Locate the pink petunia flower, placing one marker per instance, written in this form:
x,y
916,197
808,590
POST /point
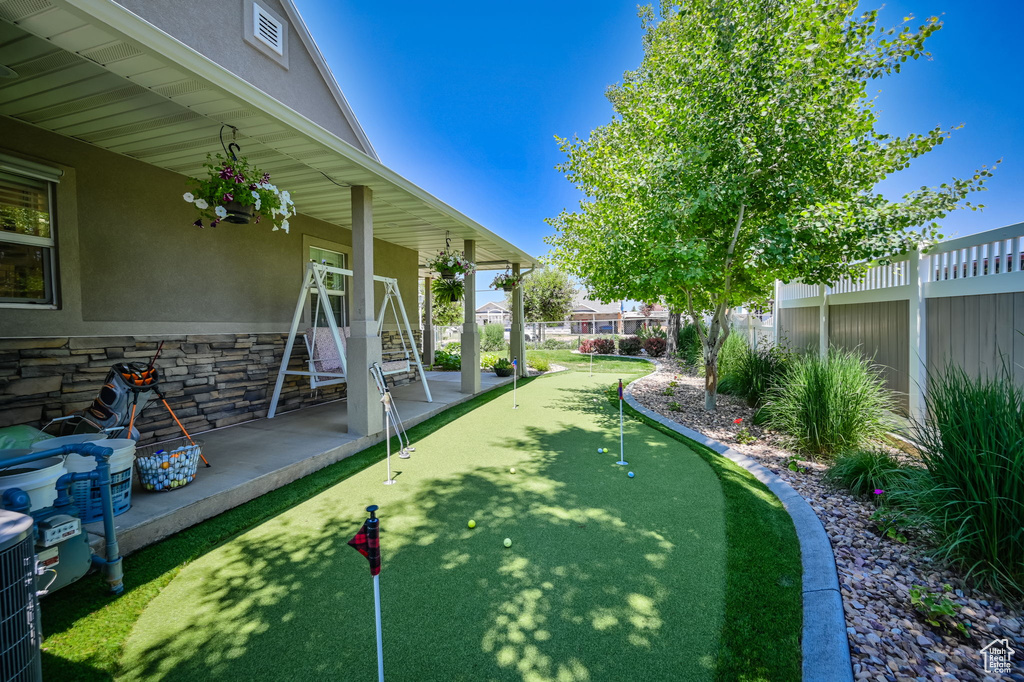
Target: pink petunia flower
x,y
879,491
228,196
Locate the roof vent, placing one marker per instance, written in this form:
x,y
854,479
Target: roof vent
x,y
267,29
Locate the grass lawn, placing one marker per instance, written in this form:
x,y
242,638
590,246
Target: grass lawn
x,y
689,571
602,363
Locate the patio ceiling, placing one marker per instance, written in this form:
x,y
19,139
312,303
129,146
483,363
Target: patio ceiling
x,y
93,71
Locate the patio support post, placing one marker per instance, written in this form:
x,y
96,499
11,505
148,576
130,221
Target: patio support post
x,y
428,323
470,333
517,334
365,416
918,339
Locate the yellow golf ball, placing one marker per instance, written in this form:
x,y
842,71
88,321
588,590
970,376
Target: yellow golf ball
x,y
508,542
512,470
472,523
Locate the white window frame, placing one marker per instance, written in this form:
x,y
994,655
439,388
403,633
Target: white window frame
x,y
341,293
50,176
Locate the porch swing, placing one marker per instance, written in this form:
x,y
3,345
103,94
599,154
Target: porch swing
x,y
326,346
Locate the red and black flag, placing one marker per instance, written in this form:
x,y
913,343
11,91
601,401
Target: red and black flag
x,y
367,540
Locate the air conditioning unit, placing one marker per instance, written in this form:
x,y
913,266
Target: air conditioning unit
x,y
19,612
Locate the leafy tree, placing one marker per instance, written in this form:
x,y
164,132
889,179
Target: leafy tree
x,y
449,314
743,150
547,295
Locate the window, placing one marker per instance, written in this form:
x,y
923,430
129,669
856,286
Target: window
x,y
27,247
337,286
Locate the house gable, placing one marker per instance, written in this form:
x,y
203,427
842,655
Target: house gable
x,y
225,32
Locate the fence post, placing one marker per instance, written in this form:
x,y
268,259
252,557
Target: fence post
x,y
776,309
823,321
918,335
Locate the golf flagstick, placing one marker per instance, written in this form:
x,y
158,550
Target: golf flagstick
x,y
367,543
515,376
622,449
591,363
386,399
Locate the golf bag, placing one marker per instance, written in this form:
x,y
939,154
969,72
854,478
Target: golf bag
x,y
128,389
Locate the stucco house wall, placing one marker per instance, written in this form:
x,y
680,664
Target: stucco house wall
x,y
130,261
217,30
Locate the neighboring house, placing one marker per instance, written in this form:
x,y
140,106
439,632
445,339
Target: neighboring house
x,y
594,317
633,320
105,109
493,312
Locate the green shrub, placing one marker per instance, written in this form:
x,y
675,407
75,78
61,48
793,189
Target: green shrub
x,y
645,332
630,345
453,347
972,443
487,360
447,360
864,471
492,338
688,346
556,344
754,372
829,405
539,364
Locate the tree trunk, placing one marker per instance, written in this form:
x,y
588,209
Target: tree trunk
x,y
672,343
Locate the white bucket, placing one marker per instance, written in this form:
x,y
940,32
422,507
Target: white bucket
x,y
51,443
123,457
38,479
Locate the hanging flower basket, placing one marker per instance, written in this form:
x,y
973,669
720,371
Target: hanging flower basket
x,y
450,264
506,281
234,191
237,213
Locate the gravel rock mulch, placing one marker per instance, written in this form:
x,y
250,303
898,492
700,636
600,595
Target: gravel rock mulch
x,y
889,641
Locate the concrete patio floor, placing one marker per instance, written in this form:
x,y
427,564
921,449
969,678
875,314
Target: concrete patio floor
x,y
255,457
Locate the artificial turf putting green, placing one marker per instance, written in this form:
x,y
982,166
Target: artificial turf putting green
x,y
608,578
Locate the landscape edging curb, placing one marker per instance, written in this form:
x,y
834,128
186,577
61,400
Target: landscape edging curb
x,y
824,645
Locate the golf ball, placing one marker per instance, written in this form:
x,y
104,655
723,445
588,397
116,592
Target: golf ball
x,y
512,470
508,542
631,474
472,523
600,450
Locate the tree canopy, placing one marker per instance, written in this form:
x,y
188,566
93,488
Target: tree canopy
x,y
744,149
548,295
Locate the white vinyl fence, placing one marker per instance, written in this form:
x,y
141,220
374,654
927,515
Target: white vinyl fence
x,y
960,302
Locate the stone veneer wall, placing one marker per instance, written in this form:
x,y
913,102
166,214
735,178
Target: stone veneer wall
x,y
209,380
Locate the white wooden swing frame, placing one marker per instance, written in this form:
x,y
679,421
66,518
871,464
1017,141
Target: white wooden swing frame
x,y
314,279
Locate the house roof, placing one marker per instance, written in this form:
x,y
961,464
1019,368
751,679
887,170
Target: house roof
x,y
94,71
582,304
492,306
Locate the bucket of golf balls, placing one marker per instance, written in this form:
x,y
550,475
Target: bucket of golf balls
x,y
168,466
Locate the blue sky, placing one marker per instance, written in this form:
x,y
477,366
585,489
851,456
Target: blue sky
x,y
464,99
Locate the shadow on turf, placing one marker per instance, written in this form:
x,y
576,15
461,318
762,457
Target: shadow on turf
x,y
596,585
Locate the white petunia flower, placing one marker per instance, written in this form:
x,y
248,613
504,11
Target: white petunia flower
x,y
276,228
255,194
258,202
187,196
286,196
201,204
221,212
284,226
